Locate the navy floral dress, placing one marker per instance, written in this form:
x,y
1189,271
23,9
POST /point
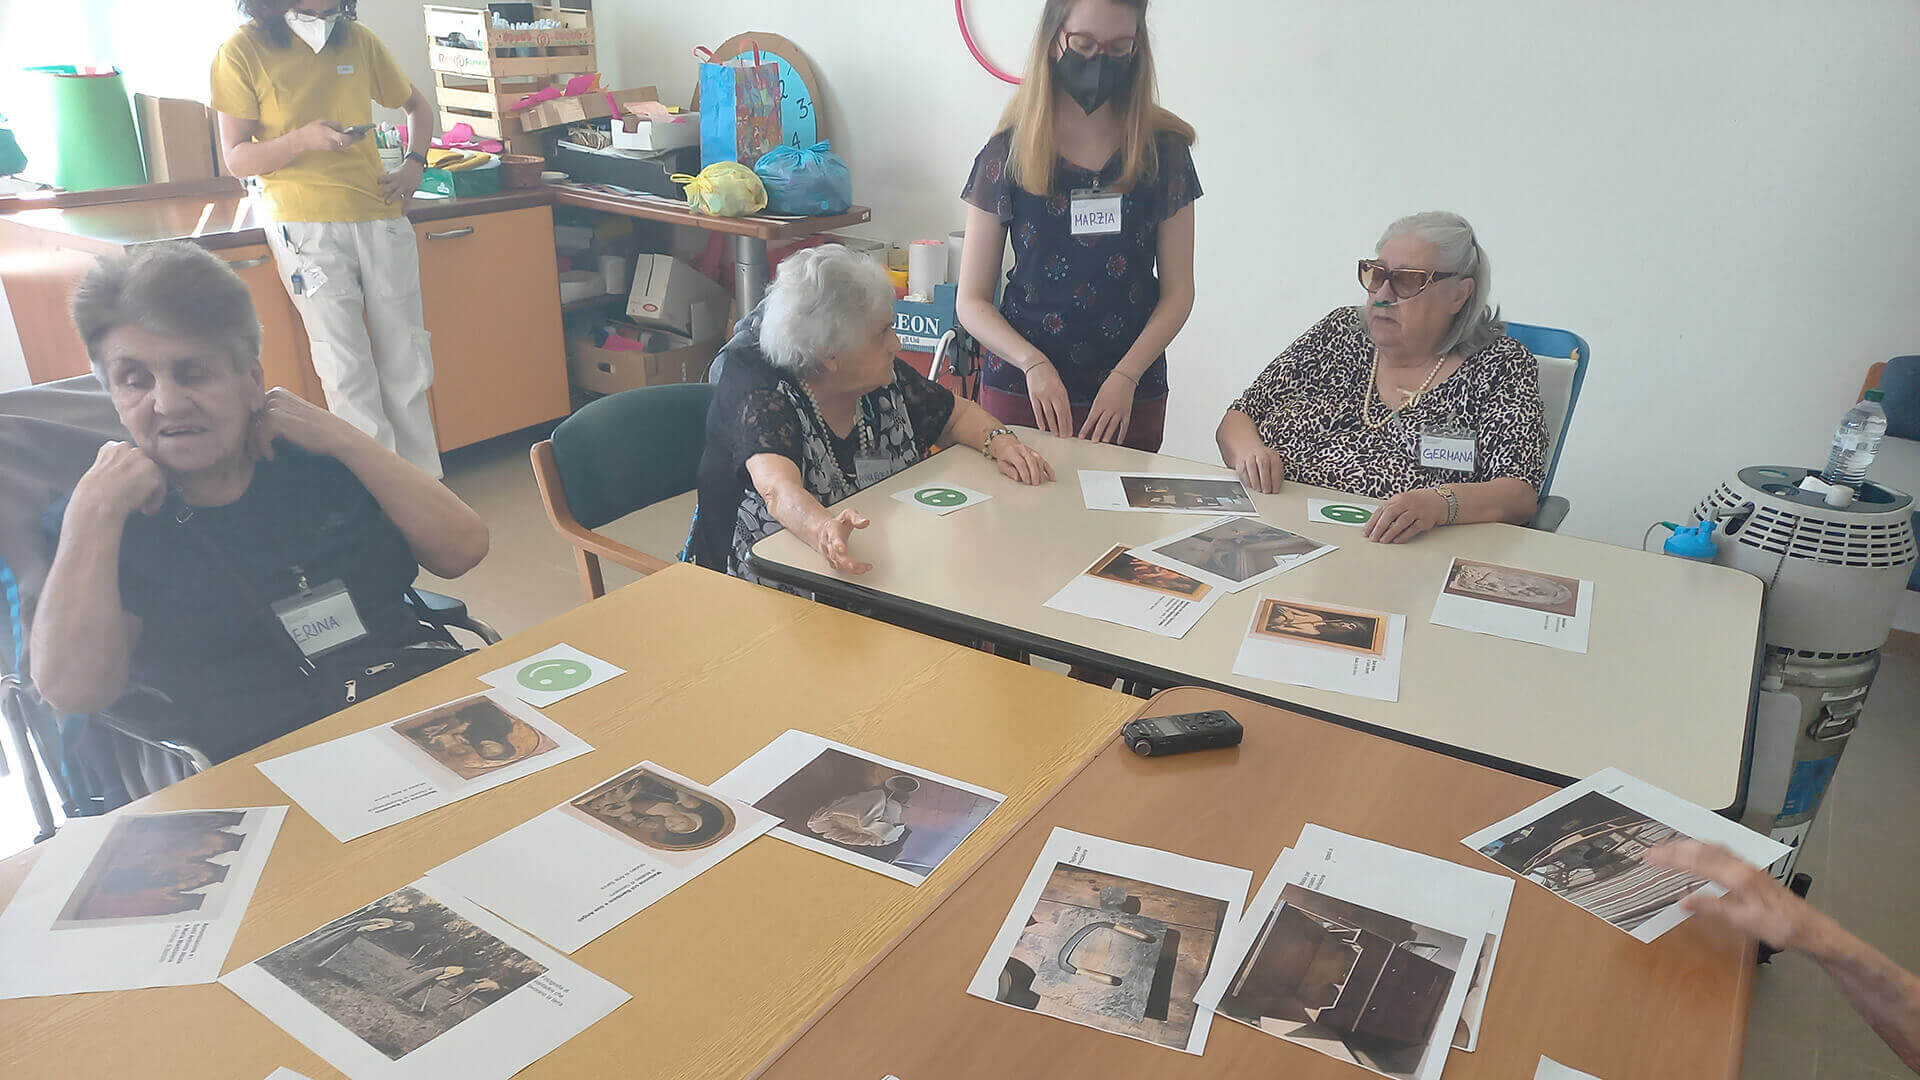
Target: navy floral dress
x,y
1082,300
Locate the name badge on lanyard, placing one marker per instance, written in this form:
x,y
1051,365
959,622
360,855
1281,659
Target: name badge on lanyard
x,y
1096,213
868,471
320,620
1447,446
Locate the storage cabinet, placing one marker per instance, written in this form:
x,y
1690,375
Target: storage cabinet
x,y
285,358
492,297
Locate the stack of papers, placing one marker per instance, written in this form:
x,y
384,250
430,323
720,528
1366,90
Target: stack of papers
x,y
1586,844
1115,937
1364,952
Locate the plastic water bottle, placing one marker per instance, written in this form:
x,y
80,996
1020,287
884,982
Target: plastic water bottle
x,y
1856,441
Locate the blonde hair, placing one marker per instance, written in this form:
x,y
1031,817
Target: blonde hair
x,y
1029,116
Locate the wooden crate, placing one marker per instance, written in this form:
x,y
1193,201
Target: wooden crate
x,y
565,50
480,86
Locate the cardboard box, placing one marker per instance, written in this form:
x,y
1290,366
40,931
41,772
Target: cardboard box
x,y
176,137
650,133
658,360
580,107
670,295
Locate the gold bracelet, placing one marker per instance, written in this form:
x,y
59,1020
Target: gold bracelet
x,y
1453,503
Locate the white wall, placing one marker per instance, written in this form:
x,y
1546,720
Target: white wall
x,y
1718,196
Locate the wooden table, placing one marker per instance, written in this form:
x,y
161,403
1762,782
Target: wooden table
x,y
749,236
1566,985
1665,690
722,971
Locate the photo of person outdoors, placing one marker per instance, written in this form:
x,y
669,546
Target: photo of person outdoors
x,y
401,971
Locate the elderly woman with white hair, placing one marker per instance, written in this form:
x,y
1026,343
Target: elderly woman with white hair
x,y
248,555
1417,397
812,406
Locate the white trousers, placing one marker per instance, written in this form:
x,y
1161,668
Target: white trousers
x,y
359,296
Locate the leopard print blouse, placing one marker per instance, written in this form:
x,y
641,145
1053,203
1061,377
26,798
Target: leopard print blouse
x,y
1307,404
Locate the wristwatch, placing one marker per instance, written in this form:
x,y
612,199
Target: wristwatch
x,y
413,156
1453,502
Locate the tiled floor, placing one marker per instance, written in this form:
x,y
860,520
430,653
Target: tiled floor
x,y
1864,852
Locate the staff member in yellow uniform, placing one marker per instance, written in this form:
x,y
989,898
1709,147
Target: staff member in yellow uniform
x,y
294,88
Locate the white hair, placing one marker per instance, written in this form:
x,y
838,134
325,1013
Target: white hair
x,y
826,300
1477,323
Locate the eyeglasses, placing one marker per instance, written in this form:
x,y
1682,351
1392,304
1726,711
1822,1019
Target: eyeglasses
x,y
1407,282
1121,48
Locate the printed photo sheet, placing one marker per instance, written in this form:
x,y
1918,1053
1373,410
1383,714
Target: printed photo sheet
x,y
1233,553
1363,969
130,900
1587,844
1326,646
873,812
1448,882
1119,588
596,860
424,984
1165,493
1115,937
552,675
1552,1070
1509,602
371,779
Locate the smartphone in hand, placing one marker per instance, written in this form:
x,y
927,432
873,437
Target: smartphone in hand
x,y
359,130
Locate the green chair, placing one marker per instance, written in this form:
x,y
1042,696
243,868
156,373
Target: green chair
x,y
621,453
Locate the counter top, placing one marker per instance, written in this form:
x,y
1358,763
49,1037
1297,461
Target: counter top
x,y
224,220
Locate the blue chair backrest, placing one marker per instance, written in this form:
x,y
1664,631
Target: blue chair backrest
x,y
1545,341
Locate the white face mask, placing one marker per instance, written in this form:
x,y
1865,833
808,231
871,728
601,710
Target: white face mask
x,y
312,29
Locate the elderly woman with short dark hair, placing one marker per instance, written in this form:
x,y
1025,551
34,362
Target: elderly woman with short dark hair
x,y
248,554
812,406
1417,397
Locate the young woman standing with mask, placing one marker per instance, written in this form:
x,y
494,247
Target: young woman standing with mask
x,y
293,88
1095,183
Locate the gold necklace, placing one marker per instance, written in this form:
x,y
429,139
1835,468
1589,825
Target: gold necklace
x,y
1413,396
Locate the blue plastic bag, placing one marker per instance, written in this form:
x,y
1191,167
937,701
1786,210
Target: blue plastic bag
x,y
810,182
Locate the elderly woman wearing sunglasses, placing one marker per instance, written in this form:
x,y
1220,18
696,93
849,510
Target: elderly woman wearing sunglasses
x,y
1417,396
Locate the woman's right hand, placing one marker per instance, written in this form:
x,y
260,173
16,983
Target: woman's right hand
x,y
1260,467
325,136
1052,409
121,481
832,542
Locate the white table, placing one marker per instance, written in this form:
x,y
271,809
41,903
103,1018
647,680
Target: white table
x,y
1665,690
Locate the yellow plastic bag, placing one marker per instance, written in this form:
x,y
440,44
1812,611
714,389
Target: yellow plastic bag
x,y
724,189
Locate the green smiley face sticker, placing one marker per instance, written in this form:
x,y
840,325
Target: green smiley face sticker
x,y
940,496
1351,515
553,676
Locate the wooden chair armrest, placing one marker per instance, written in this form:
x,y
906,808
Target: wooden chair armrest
x,y
546,474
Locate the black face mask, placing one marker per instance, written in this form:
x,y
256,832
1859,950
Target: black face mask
x,y
1092,81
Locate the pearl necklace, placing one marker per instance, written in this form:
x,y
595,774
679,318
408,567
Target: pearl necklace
x,y
860,425
1413,396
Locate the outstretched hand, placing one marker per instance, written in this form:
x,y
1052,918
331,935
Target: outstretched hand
x,y
1754,903
834,535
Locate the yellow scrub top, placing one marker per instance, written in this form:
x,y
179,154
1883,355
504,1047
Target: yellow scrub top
x,y
289,87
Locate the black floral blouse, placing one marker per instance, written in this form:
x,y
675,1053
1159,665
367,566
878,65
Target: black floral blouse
x,y
1307,407
760,409
1082,300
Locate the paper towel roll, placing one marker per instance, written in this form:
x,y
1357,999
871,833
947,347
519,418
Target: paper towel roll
x,y
926,267
613,270
955,241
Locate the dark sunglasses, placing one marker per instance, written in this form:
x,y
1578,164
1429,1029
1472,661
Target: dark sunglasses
x,y
1406,281
1089,46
